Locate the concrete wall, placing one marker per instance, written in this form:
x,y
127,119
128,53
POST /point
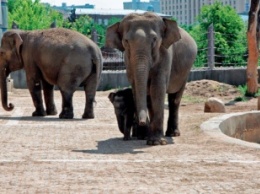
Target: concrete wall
x,y
118,79
232,76
109,80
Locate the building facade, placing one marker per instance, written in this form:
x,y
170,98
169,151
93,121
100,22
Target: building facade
x,y
186,11
102,16
65,7
152,5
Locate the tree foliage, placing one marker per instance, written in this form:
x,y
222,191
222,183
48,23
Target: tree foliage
x,y
86,25
32,14
113,20
230,31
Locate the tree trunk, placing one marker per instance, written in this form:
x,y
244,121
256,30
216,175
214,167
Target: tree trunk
x,y
253,53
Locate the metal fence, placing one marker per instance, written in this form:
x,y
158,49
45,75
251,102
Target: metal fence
x,y
220,56
113,59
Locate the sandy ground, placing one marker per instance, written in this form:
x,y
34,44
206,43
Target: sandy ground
x,y
49,155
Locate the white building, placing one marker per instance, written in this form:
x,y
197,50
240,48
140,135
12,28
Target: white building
x,y
186,11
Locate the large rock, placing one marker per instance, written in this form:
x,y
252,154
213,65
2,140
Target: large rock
x,y
214,105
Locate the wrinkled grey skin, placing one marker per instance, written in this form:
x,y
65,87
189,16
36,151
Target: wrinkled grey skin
x,y
158,57
51,57
123,102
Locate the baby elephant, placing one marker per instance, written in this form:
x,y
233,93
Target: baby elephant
x,y
123,102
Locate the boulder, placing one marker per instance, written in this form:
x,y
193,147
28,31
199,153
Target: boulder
x,y
214,105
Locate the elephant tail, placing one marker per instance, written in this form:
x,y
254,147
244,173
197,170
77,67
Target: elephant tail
x,y
97,62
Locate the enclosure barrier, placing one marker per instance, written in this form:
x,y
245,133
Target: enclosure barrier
x,y
118,79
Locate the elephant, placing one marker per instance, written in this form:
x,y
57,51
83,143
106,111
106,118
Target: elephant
x,y
158,56
56,56
123,102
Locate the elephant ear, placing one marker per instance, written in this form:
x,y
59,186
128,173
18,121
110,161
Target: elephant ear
x,y
171,33
111,96
18,41
113,37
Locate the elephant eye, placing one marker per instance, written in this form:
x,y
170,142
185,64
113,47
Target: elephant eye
x,y
125,42
154,39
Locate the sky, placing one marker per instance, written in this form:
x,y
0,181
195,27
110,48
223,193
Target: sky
x,y
99,4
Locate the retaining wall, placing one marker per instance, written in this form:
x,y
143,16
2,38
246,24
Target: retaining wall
x,y
118,79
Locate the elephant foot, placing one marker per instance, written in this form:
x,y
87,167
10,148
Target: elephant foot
x,y
88,115
126,138
51,112
39,113
66,115
173,133
156,141
156,138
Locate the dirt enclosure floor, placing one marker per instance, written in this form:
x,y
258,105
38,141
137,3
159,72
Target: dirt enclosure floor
x,y
49,155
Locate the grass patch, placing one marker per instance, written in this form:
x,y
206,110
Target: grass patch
x,y
244,95
192,99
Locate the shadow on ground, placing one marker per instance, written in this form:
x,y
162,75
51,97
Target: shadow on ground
x,y
39,119
118,146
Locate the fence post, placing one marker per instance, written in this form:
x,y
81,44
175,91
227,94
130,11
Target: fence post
x,y
94,36
211,47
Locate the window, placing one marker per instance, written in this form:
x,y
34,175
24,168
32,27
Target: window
x,y
105,22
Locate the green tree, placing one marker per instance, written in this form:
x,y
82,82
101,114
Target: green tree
x,y
32,14
86,25
83,24
230,40
113,20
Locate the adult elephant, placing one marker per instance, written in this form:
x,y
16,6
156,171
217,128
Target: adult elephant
x,y
51,57
158,57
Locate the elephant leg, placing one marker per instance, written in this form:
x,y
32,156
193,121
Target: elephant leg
x,y
90,92
48,91
36,94
135,127
156,112
140,132
128,125
120,122
67,107
174,104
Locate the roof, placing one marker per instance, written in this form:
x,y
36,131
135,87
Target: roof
x,y
112,12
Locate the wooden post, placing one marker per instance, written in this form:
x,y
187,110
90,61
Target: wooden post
x,y
258,103
211,47
252,62
94,36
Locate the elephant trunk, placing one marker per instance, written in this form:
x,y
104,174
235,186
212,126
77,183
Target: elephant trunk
x,y
3,85
141,77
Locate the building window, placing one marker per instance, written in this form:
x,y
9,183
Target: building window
x,y
105,22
